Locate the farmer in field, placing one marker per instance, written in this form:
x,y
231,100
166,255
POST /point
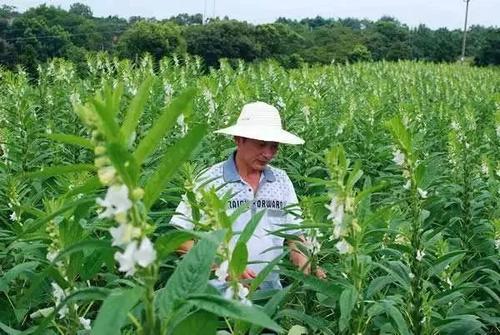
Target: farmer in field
x,y
253,183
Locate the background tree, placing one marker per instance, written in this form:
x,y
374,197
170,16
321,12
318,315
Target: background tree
x,y
156,38
490,52
223,39
80,9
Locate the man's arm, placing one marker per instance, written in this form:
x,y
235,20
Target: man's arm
x,y
301,261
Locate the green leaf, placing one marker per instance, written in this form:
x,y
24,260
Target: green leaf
x,y
58,170
8,330
166,121
265,272
239,260
171,161
272,306
441,263
170,241
347,302
461,324
16,271
90,185
39,222
200,322
249,229
88,294
72,139
190,276
107,113
136,108
400,133
328,288
113,312
377,284
396,315
233,309
124,162
81,246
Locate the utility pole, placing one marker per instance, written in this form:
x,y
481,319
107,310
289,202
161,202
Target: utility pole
x,y
204,18
462,58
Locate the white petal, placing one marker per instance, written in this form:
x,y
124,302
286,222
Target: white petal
x,y
398,157
422,193
343,247
146,254
126,259
124,233
242,291
221,271
116,201
228,294
84,322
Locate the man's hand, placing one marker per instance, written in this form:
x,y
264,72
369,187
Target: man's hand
x,y
248,274
302,262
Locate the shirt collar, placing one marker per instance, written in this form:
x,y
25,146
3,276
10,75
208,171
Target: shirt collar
x,y
230,174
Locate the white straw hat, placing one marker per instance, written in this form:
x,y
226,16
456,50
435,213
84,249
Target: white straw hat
x,y
261,121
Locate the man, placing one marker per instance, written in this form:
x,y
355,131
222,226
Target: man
x,y
247,175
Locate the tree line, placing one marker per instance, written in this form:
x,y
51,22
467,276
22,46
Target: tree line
x,y
44,32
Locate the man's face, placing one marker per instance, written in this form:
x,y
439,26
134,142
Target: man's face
x,y
255,154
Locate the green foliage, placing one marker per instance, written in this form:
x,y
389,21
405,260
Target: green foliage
x,y
156,38
443,118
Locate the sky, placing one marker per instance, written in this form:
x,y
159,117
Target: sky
x,y
433,13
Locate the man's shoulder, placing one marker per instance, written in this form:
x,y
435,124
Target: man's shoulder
x,y
279,174
210,174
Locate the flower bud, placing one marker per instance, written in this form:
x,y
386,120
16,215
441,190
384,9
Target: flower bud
x,y
137,193
99,150
100,162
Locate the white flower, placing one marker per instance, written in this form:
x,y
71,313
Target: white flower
x,y
484,168
169,90
106,174
241,294
13,216
44,312
115,202
84,322
411,275
455,125
448,281
124,233
146,254
221,272
497,243
343,247
336,209
59,296
339,230
420,255
407,185
399,157
51,255
126,259
312,244
422,193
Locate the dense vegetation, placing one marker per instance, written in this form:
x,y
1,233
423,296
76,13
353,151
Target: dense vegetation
x,y
45,32
398,182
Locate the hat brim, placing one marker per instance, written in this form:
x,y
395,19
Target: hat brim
x,y
268,134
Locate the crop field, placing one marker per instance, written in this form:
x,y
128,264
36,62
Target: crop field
x,y
398,184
